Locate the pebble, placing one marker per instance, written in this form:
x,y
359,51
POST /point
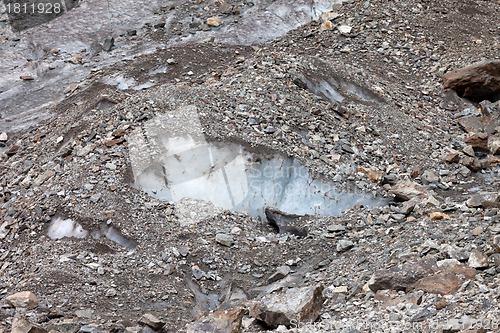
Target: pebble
x,y
4,137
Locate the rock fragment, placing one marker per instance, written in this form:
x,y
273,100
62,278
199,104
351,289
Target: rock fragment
x,y
224,239
396,278
214,22
477,259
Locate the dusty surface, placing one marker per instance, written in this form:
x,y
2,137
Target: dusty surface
x,y
394,123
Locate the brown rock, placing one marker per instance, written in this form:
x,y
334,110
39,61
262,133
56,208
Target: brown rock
x,y
451,155
22,325
26,77
477,82
214,22
441,304
471,162
438,216
441,283
227,321
111,143
477,140
489,161
296,304
23,299
393,298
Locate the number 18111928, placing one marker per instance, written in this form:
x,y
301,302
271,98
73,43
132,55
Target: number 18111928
x,y
32,8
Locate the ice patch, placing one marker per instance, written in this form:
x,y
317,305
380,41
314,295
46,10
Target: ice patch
x,y
172,167
60,228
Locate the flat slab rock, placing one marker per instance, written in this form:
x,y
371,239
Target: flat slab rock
x,y
295,305
477,82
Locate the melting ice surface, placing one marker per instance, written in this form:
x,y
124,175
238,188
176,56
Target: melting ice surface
x,y
230,176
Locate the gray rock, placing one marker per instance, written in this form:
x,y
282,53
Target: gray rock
x,y
344,245
295,304
224,239
280,273
477,259
397,278
109,42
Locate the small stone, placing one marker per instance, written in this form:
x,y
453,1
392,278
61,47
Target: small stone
x,y
111,143
214,22
43,177
344,245
75,59
111,166
236,231
336,228
109,42
87,313
451,155
26,77
301,305
197,272
171,61
151,321
4,137
477,259
71,88
224,239
111,292
23,299
438,216
280,273
477,231
96,197
441,304
344,29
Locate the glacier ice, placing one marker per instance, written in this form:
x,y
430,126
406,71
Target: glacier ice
x,y
229,175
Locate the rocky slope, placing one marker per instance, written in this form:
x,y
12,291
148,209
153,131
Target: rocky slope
x,y
355,96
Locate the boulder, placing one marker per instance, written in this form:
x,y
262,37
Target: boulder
x,y
21,325
23,299
151,321
285,223
227,321
477,82
295,305
397,278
